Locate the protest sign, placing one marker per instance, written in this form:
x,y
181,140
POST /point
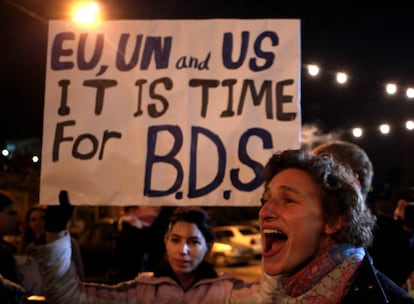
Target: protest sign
x,y
168,112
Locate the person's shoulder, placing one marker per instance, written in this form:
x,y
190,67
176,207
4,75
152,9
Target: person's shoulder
x,y
222,275
373,285
228,279
151,279
146,274
394,293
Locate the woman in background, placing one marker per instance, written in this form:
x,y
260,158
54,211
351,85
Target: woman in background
x,y
34,233
184,277
34,228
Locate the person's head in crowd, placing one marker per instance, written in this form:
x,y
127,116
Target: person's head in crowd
x,y
355,157
34,225
138,216
404,211
148,214
188,240
9,215
311,203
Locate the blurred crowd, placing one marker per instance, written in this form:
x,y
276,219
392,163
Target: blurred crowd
x,y
140,237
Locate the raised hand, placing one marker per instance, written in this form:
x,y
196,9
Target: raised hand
x,y
57,217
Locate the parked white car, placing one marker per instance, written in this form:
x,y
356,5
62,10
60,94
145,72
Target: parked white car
x,y
240,234
228,254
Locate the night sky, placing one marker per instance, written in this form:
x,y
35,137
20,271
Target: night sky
x,y
374,46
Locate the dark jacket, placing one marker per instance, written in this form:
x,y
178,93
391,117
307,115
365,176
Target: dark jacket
x,y
131,251
8,268
10,293
373,287
390,234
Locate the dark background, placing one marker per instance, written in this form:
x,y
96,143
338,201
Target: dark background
x,y
374,45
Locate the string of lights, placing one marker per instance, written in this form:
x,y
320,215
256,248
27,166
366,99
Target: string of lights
x,y
390,88
88,12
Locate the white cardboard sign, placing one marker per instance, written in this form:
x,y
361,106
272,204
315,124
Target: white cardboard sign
x,y
168,112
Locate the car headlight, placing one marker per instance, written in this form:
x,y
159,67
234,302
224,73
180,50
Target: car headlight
x,y
222,247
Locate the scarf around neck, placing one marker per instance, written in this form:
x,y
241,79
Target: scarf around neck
x,y
324,280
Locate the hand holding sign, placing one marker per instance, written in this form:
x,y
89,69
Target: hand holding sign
x,y
57,216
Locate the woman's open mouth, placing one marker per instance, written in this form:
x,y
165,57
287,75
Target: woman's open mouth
x,y
274,240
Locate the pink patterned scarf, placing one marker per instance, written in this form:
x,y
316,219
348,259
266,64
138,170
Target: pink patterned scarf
x,y
325,280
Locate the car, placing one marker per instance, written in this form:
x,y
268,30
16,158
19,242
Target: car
x,y
241,235
228,254
254,223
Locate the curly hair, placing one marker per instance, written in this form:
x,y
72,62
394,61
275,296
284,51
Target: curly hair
x,y
339,192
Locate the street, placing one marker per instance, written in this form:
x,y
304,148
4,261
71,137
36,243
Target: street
x,y
247,273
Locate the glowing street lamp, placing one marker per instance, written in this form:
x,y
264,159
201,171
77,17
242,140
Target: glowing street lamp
x,y
391,88
409,125
384,128
313,69
341,77
410,93
357,132
86,12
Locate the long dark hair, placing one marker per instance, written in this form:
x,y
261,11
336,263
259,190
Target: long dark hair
x,y
197,216
28,233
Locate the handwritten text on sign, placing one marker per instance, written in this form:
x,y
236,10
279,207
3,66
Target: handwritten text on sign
x,y
168,112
